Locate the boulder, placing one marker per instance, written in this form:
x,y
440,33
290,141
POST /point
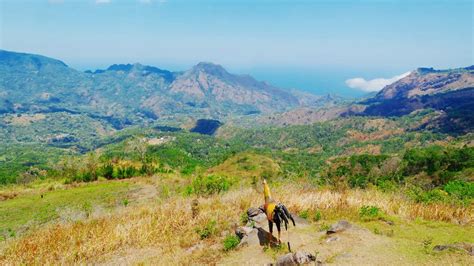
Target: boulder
x,y
252,211
256,217
251,238
260,220
332,239
242,231
339,227
468,247
258,237
296,258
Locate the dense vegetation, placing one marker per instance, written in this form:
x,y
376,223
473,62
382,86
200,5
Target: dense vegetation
x,y
356,152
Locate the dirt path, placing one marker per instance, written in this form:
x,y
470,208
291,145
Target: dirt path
x,y
355,246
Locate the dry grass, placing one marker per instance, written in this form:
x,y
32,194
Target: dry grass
x,y
164,231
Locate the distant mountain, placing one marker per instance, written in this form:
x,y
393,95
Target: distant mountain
x,y
449,91
126,94
210,87
428,81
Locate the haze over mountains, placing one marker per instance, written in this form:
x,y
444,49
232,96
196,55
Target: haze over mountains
x,y
126,94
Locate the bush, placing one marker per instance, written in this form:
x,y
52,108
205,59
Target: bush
x,y
317,216
430,196
84,176
438,162
107,171
231,242
358,180
369,213
208,185
208,230
304,214
464,191
386,185
244,218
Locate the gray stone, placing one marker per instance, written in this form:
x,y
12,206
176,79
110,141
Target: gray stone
x,y
252,211
332,239
258,237
242,231
198,246
259,220
468,247
250,239
296,258
339,227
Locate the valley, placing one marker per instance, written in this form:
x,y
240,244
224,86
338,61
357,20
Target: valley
x,y
136,164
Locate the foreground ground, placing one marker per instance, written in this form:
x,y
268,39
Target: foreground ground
x,y
149,220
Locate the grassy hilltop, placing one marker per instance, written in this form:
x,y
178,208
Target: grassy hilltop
x,y
175,197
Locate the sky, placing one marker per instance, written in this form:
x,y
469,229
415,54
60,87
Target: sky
x,y
340,46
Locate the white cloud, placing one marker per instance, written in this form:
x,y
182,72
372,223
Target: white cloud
x,y
373,84
103,1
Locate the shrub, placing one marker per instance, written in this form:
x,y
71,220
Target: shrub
x,y
317,216
125,202
208,230
84,176
460,189
231,242
208,185
87,208
358,180
304,214
386,185
28,176
244,218
368,213
438,162
107,171
430,196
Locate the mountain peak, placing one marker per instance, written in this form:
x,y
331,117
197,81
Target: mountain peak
x,y
210,68
137,67
428,70
29,60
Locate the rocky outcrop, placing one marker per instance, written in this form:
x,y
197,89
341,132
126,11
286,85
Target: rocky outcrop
x,y
427,81
339,227
450,92
296,258
467,247
253,233
212,83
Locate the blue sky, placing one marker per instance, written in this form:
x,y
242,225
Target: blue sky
x,y
311,45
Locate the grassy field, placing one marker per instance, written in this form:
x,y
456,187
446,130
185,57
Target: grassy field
x,y
160,227
35,206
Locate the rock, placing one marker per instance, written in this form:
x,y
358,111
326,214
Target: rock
x,y
194,248
339,227
258,237
469,248
332,239
259,220
253,211
242,231
250,239
257,217
296,258
344,255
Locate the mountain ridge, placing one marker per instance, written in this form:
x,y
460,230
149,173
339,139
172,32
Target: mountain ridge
x,y
134,92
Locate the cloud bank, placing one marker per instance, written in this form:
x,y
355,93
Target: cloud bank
x,y
373,84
